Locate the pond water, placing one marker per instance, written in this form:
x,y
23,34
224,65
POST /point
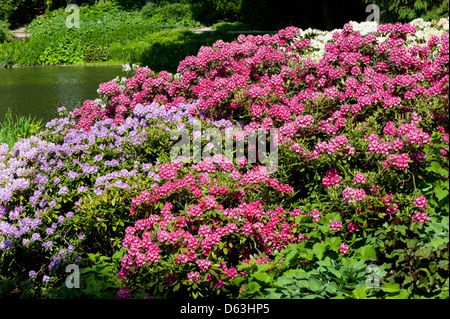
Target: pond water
x,y
39,91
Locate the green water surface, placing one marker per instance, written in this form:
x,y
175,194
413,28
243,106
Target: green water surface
x,y
40,91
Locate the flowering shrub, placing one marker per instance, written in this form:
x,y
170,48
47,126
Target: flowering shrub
x,y
59,189
201,223
362,138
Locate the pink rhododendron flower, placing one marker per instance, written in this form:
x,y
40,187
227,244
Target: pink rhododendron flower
x,y
343,248
420,217
421,201
359,178
194,276
335,225
332,178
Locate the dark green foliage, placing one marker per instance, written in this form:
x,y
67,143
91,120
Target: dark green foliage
x,y
230,26
19,12
96,53
4,32
407,10
131,4
165,49
166,11
322,14
211,11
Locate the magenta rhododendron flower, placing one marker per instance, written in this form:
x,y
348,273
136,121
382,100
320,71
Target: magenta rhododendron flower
x,y
420,217
343,248
421,201
194,276
335,225
359,178
332,178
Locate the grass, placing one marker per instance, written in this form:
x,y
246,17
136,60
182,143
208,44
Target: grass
x,y
13,129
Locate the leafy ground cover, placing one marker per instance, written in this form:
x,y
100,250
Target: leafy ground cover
x,y
357,206
101,25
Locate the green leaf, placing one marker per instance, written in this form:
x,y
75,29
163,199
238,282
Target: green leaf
x,y
333,242
438,228
425,252
274,295
335,272
390,287
435,242
331,288
302,283
262,276
319,249
358,293
412,243
437,168
284,281
440,192
315,284
367,251
252,287
403,294
443,264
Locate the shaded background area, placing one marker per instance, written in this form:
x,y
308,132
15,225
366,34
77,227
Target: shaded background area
x,y
258,14
318,14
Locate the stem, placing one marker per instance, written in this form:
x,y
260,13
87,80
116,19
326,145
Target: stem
x,y
414,183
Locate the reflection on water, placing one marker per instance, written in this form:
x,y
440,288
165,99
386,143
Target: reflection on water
x,y
39,91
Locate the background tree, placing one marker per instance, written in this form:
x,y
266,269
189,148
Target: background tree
x,y
407,10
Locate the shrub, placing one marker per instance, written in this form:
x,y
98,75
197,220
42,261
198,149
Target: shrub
x,y
131,4
229,26
167,48
166,11
362,175
211,11
95,53
103,25
4,31
206,236
65,51
407,10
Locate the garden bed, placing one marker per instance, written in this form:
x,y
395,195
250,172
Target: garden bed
x,y
353,204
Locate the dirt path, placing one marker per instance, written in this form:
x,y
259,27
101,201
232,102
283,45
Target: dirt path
x,y
20,33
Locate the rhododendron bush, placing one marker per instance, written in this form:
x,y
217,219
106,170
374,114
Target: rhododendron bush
x,y
361,175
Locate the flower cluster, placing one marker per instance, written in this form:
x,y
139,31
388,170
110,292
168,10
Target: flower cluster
x,y
364,113
219,213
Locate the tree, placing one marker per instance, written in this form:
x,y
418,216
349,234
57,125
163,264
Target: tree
x,y
407,10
